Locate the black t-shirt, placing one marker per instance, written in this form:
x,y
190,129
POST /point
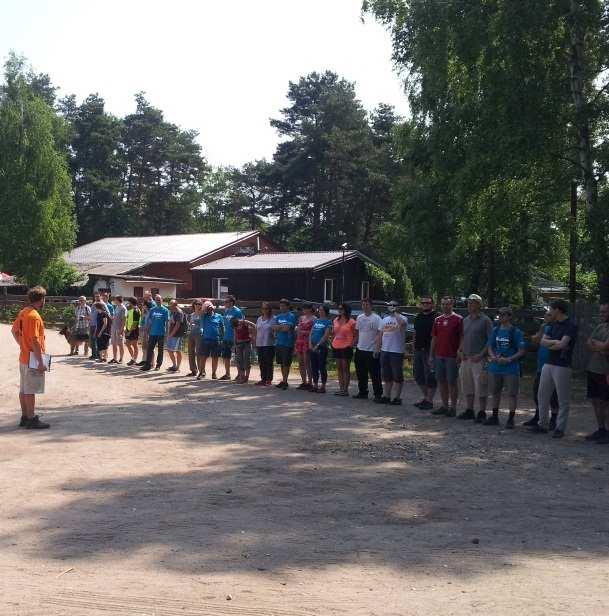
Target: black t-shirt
x,y
559,329
423,324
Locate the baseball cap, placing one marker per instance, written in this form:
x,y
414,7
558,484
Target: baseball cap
x,y
474,298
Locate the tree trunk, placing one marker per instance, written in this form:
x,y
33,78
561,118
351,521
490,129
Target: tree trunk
x,y
573,245
491,277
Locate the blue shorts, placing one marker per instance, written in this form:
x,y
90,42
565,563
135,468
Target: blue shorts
x,y
446,370
174,343
226,349
208,348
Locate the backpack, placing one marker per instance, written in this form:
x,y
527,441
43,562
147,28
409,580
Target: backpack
x,y
183,326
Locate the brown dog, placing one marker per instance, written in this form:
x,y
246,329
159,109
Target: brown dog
x,y
74,343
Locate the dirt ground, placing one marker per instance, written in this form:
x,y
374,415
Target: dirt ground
x,y
156,495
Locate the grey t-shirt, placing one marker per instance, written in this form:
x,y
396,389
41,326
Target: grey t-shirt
x,y
475,334
598,362
120,318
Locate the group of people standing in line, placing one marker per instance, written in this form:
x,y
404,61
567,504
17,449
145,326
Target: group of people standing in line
x,y
480,358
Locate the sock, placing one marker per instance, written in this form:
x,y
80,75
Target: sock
x,y
495,412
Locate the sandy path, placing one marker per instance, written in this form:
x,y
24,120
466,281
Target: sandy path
x,y
156,495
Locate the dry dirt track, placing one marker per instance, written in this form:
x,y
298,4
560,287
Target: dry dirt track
x,y
154,495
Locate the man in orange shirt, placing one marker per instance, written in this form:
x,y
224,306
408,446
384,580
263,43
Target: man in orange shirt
x,y
28,331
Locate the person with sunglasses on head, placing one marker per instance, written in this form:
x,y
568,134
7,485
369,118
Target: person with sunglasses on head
x,y
542,356
506,347
556,373
424,375
477,328
318,343
343,337
446,336
194,334
368,333
392,355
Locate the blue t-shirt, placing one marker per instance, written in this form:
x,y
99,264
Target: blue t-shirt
x,y
111,308
285,339
230,314
319,329
505,344
157,320
210,326
543,353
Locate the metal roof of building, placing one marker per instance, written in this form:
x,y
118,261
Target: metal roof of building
x,y
282,260
155,249
108,269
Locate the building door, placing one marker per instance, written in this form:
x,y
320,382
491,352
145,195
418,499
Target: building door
x,y
328,290
219,288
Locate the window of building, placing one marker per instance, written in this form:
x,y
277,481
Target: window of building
x,y
154,292
138,291
219,288
328,289
365,289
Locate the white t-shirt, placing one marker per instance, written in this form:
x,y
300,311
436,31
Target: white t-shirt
x,y
368,327
394,337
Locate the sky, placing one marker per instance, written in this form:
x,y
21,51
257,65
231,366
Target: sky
x,y
220,67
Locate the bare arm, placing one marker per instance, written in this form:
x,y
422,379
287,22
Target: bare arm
x,y
556,345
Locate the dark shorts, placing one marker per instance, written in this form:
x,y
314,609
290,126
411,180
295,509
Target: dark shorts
x,y
346,353
423,374
134,334
81,336
447,370
226,349
103,342
597,387
284,355
392,367
208,348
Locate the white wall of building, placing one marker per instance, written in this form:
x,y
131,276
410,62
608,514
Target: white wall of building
x,y
126,288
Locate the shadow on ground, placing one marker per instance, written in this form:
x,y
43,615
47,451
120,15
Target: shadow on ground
x,y
305,481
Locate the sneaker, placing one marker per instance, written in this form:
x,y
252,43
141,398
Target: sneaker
x,y
558,434
113,361
130,363
268,383
396,402
537,429
552,425
493,420
213,376
451,412
480,417
314,389
361,396
509,424
157,368
419,403
531,422
604,439
596,435
467,414
321,389
192,373
260,383
303,386
224,377
426,405
172,369
141,363
145,368
36,424
23,421
382,400
440,411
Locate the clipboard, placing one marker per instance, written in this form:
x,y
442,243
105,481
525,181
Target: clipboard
x,y
46,360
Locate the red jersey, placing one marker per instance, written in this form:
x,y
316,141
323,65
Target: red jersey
x,y
242,332
447,330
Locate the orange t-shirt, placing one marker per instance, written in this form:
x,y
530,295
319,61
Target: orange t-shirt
x,y
344,333
30,325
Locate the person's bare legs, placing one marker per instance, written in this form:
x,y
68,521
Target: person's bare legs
x,y
347,374
201,363
227,366
309,368
601,412
302,367
387,387
340,370
454,395
121,350
444,393
29,402
214,365
172,356
22,404
178,359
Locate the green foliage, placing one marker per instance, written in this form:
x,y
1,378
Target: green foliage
x,y
36,206
380,277
59,276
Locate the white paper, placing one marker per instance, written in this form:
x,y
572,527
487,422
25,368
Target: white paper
x,y
46,360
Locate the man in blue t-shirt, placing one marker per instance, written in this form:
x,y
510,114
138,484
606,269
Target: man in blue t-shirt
x,y
158,318
228,341
506,347
542,356
284,324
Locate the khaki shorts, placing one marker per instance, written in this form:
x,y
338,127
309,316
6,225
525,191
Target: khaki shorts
x,y
116,337
498,382
31,381
474,380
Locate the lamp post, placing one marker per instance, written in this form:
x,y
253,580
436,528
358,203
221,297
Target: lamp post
x,y
342,285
